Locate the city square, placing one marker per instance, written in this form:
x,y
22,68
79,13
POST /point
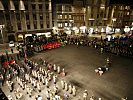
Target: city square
x,y
66,49
80,63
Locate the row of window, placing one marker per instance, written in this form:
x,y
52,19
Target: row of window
x,y
78,17
120,14
70,17
40,6
64,16
102,14
65,8
16,5
64,25
93,23
35,25
122,7
18,16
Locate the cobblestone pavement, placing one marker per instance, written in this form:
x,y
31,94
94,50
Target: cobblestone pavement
x,y
80,63
3,50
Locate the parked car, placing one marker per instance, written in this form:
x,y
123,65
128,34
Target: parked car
x,y
11,44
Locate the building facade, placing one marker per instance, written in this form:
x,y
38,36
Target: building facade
x,y
78,13
62,17
96,18
68,17
119,17
22,18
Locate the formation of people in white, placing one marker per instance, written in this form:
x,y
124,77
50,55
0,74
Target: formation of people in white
x,y
32,78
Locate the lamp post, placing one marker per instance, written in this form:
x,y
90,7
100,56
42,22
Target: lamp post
x,y
113,20
1,28
71,21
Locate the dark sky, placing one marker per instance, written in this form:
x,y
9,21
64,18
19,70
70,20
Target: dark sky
x,y
130,2
62,1
111,1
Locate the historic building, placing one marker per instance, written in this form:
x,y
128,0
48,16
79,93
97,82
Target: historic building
x,y
119,17
96,18
68,17
21,18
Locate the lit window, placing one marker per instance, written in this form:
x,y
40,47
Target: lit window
x,y
126,7
65,16
60,16
59,24
66,24
70,16
70,24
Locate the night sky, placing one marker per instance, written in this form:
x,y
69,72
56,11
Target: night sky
x,y
130,2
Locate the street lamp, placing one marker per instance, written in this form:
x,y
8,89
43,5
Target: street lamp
x,y
71,26
113,20
1,28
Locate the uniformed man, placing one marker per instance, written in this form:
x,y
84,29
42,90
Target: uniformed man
x,y
38,86
85,94
54,78
35,83
43,80
10,85
63,73
55,68
101,99
58,69
30,80
55,89
48,95
46,73
107,60
62,84
74,91
70,89
44,63
50,67
43,72
47,83
27,77
39,77
101,50
29,89
66,96
92,98
49,76
124,98
51,95
23,84
66,86
57,97
1,80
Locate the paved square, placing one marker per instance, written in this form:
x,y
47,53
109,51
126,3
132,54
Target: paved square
x,y
80,63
